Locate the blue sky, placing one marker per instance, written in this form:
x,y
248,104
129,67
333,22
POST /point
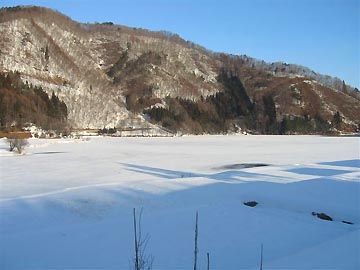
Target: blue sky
x,y
320,34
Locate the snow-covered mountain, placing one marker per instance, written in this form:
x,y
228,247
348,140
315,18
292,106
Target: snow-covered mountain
x,y
109,75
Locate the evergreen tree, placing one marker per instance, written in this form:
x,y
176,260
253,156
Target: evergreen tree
x,y
337,121
344,88
270,114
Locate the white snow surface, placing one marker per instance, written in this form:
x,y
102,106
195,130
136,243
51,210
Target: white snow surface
x,y
67,204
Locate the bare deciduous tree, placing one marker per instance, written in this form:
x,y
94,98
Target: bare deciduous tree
x,y
261,258
141,260
196,241
208,261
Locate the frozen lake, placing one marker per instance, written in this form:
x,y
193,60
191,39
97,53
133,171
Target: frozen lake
x,y
67,204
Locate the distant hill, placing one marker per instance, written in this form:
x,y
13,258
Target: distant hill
x,y
114,76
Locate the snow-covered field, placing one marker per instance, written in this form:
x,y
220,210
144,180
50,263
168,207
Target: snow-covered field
x,y
67,204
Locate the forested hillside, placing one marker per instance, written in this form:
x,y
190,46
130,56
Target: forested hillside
x,y
21,103
115,76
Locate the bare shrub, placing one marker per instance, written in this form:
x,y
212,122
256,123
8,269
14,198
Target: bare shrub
x,y
17,144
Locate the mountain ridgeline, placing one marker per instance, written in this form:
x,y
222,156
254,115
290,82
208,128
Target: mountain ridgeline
x,y
110,76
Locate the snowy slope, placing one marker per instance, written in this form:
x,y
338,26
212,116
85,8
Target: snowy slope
x,y
68,204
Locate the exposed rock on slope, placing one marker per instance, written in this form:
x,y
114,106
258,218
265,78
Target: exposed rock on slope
x,y
109,75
